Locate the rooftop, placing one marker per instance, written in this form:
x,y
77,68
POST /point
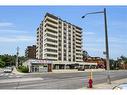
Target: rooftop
x,y
51,15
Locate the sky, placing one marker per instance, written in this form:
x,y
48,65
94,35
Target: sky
x,y
18,26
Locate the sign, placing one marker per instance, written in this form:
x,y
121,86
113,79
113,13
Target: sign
x,y
40,61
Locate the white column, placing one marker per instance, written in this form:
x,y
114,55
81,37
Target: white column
x,y
64,66
71,43
62,44
67,42
43,40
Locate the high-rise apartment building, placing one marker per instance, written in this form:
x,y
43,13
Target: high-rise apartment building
x,y
30,52
59,41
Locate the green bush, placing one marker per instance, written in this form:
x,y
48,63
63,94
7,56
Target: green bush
x,y
23,69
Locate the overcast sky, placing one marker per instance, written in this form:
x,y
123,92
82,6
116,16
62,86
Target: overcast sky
x,y
18,26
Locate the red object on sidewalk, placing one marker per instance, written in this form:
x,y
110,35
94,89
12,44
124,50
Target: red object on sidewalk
x,y
90,83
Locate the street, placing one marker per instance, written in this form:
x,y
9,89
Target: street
x,y
75,80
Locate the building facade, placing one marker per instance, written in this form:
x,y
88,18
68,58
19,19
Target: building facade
x,y
59,41
30,52
101,63
36,65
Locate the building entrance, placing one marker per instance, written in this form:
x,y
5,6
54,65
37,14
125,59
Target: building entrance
x,y
35,68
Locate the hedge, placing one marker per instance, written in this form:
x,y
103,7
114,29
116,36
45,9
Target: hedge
x,y
23,69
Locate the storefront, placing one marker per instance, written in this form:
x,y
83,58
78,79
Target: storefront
x,y
35,65
74,65
87,65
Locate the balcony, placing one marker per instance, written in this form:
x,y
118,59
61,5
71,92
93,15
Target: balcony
x,y
78,42
78,38
48,38
77,29
48,42
78,35
52,24
78,46
79,60
49,56
50,46
52,19
50,52
51,35
52,32
78,50
51,29
79,54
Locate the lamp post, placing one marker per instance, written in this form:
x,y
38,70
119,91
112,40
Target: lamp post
x,y
106,41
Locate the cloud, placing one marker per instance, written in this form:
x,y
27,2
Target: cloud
x,y
6,24
12,31
19,38
89,33
118,24
118,41
95,49
13,35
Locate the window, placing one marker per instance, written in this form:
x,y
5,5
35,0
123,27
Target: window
x,y
50,45
51,50
51,55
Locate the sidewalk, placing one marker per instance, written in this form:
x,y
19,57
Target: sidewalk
x,y
16,72
108,86
63,71
75,70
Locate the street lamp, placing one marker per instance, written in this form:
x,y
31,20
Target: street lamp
x,y
106,41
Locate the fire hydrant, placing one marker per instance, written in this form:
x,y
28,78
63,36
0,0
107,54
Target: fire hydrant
x,y
90,83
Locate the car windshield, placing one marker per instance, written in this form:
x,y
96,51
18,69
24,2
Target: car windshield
x,y
121,86
8,68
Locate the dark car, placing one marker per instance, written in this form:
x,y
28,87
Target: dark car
x,y
81,69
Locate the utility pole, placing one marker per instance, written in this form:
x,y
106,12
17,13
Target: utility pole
x,y
17,57
106,42
107,49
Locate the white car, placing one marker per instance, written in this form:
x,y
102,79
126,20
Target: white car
x,y
8,70
121,86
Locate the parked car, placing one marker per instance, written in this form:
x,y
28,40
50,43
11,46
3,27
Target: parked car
x,y
120,87
8,69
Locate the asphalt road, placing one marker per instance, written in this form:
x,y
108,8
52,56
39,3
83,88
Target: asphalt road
x,y
59,80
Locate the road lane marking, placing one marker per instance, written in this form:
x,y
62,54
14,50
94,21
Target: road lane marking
x,y
2,74
10,76
17,76
20,80
6,74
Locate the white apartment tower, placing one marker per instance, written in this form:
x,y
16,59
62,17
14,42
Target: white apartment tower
x,y
59,41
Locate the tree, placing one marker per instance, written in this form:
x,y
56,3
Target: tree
x,y
123,58
85,55
2,63
22,59
10,60
122,61
112,64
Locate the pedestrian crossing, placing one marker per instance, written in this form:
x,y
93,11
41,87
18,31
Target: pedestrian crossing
x,y
9,75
